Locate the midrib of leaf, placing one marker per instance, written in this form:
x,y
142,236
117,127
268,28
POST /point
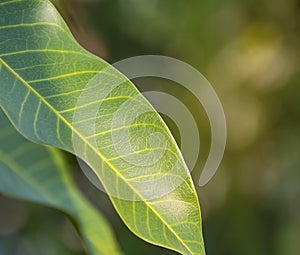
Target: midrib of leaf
x,y
10,2
94,150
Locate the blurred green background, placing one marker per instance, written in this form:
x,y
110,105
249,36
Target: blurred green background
x,y
250,52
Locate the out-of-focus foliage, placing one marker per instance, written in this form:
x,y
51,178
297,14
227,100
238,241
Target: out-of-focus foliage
x,y
39,174
249,51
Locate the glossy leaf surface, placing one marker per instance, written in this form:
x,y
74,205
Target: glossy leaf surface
x,y
56,93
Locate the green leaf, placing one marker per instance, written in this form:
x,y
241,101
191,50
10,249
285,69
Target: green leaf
x,y
36,173
56,93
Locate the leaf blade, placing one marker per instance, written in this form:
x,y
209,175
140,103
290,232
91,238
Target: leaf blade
x,y
53,80
39,178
